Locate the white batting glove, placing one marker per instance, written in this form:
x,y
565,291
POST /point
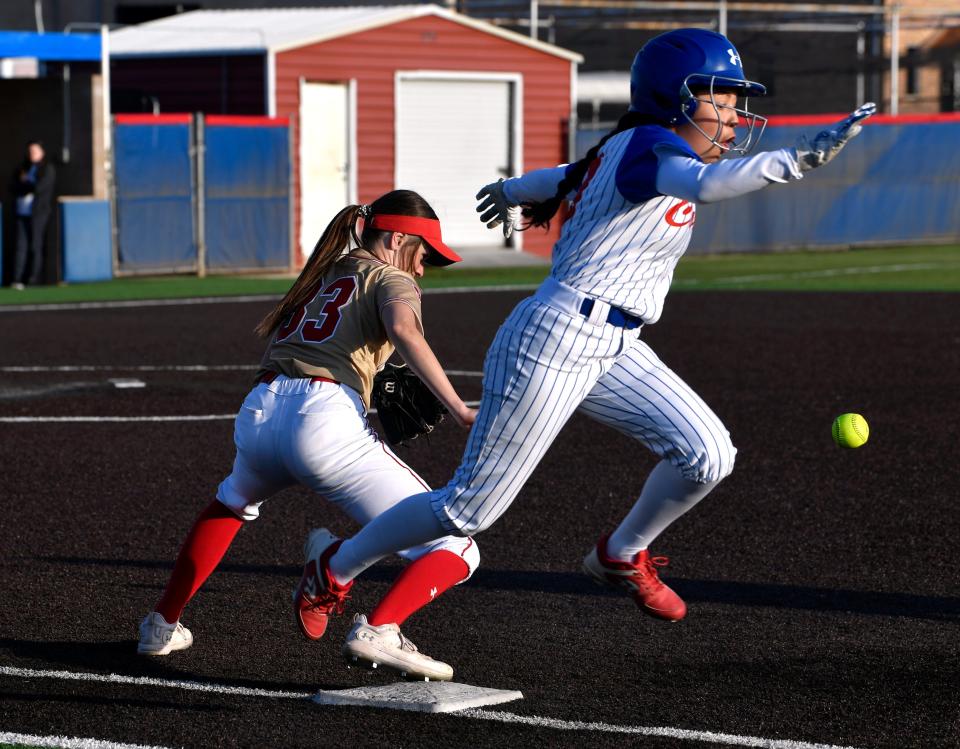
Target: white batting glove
x,y
826,144
495,209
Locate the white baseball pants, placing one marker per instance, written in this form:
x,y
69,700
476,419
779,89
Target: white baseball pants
x,y
296,431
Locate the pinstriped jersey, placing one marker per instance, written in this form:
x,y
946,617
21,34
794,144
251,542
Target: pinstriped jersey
x,y
339,333
624,238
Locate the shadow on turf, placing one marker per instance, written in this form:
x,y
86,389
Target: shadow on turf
x,y
727,592
120,656
46,698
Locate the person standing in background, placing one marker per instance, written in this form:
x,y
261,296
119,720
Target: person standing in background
x,y
33,186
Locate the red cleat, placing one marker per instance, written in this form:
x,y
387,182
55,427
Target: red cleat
x,y
318,596
639,577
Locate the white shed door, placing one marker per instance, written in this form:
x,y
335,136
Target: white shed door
x,y
324,157
453,137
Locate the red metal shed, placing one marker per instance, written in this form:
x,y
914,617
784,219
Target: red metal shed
x,y
418,97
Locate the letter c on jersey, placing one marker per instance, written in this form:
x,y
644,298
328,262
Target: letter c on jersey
x,y
682,214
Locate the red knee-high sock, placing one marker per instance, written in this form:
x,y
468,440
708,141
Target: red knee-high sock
x,y
418,584
204,547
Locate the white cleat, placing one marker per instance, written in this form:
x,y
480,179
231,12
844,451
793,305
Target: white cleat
x,y
159,637
384,645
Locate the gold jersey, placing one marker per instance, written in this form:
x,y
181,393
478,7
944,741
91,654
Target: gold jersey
x,y
339,334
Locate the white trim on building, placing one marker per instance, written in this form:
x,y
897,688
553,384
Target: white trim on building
x,y
206,32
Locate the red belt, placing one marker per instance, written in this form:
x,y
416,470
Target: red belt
x,y
271,376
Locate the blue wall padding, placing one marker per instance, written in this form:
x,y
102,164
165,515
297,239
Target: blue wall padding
x,y
247,196
154,197
891,184
85,240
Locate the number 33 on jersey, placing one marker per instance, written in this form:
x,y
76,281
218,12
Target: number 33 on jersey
x,y
338,333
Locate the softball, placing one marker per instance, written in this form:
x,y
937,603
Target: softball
x,y
850,430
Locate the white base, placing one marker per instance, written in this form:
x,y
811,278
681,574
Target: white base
x,y
419,696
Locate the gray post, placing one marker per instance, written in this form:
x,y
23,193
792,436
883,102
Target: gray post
x,y
112,196
109,176
861,54
895,60
199,197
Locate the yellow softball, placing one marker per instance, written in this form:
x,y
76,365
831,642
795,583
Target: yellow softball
x,y
850,430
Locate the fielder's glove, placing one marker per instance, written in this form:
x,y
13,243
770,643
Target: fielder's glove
x,y
827,143
406,406
495,209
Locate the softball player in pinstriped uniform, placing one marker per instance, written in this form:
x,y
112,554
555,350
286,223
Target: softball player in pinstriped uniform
x,y
575,344
304,423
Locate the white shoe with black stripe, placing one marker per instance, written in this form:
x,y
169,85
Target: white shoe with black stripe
x,y
385,646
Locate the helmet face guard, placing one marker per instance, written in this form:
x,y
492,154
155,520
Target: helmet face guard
x,y
713,84
669,68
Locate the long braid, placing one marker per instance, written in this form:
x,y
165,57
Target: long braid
x,y
335,239
540,214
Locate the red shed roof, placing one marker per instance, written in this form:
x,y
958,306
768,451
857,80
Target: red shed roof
x,y
278,30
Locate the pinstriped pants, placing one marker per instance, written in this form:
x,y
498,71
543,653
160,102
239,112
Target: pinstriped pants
x,y
543,365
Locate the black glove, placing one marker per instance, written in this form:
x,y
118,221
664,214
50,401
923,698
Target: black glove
x,y
407,408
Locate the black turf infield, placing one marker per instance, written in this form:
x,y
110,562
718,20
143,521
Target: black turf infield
x,y
822,583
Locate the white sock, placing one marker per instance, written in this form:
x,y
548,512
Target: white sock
x,y
665,497
408,523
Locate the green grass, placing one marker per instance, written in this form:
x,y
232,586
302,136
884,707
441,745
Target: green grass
x,y
153,287
889,269
509,276
922,268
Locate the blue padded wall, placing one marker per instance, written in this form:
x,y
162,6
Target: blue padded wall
x,y
247,196
85,240
154,194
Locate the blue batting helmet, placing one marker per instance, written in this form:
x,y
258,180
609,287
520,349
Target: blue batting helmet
x,y
669,65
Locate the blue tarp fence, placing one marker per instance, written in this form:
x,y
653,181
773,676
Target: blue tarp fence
x,y
897,182
154,193
229,213
246,192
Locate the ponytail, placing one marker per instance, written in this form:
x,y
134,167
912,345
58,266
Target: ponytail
x,y
336,238
539,214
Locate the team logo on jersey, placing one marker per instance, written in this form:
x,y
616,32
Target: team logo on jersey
x,y
682,214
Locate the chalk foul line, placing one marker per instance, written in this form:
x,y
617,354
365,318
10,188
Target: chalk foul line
x,y
66,742
149,681
238,299
476,713
110,419
673,733
133,419
36,369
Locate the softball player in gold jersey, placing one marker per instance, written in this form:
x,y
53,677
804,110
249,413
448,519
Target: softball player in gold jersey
x,y
304,422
